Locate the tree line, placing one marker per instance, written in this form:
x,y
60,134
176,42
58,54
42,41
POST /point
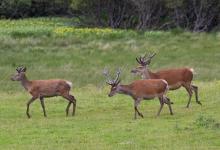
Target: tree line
x,y
193,15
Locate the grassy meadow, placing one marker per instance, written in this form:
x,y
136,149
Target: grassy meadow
x,y
57,48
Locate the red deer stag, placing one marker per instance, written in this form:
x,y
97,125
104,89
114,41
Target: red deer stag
x,y
45,88
140,90
174,77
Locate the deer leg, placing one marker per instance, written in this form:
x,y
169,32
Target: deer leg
x,y
168,102
189,90
28,105
195,89
43,106
71,99
161,105
74,104
135,113
67,108
136,103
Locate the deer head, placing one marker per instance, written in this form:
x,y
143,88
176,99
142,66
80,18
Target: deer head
x,y
19,75
113,82
144,62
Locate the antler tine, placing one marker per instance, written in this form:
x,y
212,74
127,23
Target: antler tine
x,y
23,69
147,60
152,55
145,56
141,60
19,69
118,72
106,74
138,60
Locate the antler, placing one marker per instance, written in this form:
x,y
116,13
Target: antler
x,y
152,55
118,72
145,60
141,60
21,69
149,58
106,74
109,80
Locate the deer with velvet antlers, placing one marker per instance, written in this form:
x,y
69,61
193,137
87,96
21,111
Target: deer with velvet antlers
x,y
176,78
45,88
140,90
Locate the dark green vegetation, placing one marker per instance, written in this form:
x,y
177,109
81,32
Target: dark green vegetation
x,y
52,48
193,15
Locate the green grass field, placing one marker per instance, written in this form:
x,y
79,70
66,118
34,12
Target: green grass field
x,y
56,48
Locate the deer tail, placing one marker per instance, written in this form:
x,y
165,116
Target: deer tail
x,y
69,83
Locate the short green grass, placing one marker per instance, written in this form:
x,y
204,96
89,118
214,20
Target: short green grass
x,y
55,48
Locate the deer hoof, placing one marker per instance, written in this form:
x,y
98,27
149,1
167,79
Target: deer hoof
x,y
198,102
141,115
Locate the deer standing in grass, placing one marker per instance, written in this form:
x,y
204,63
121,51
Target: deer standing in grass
x,y
45,88
175,78
140,90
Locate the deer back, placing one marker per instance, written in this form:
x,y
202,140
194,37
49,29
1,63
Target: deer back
x,y
49,88
151,87
174,76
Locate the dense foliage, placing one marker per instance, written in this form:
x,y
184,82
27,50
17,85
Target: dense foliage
x,y
195,15
29,8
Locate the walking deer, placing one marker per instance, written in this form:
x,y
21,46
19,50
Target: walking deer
x,y
176,78
45,88
140,90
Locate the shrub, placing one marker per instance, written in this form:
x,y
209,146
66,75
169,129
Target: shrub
x,y
206,122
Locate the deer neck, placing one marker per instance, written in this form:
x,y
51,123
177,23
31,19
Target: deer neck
x,y
124,89
25,83
147,74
